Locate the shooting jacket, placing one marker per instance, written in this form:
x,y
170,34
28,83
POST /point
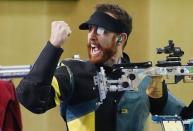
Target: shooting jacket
x,y
71,86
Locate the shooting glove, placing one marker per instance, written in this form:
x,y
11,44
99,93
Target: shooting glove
x,y
155,88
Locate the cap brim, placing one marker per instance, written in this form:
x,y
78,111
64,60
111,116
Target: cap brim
x,y
84,26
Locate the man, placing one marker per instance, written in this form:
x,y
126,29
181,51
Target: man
x,y
71,84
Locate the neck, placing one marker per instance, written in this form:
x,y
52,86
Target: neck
x,y
113,60
116,58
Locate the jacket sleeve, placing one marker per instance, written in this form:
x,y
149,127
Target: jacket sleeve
x,y
35,91
173,106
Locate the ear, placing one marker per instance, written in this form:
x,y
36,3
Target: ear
x,y
121,39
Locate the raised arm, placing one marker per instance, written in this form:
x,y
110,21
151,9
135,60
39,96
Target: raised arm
x,y
35,91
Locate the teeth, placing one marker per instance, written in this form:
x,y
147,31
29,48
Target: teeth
x,y
94,49
92,45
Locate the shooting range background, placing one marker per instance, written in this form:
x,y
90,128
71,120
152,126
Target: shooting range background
x,y
25,28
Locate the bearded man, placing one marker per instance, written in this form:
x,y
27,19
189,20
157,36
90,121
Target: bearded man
x,y
71,85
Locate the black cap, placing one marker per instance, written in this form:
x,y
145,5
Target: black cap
x,y
106,21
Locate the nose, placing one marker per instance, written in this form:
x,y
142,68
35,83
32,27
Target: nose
x,y
92,34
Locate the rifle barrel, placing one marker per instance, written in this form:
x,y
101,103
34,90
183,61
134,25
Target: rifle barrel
x,y
17,71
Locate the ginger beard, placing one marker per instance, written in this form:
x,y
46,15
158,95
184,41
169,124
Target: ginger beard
x,y
99,54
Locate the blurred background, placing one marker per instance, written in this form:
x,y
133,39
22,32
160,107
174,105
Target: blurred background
x,y
25,28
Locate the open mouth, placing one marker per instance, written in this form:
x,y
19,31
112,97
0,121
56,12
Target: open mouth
x,y
95,50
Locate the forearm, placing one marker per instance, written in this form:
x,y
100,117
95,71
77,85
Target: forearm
x,y
35,91
45,66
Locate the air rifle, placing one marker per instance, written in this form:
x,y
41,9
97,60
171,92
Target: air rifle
x,y
134,73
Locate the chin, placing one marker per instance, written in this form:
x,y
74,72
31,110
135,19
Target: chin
x,y
96,61
100,58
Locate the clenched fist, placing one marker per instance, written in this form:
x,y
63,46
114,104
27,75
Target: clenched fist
x,y
60,31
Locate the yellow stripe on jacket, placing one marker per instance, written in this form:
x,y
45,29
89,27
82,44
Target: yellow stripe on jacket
x,y
57,91
84,123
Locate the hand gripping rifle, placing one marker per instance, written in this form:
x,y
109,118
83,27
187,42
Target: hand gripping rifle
x,y
134,73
